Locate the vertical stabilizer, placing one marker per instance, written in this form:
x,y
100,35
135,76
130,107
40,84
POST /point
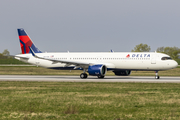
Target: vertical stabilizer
x,y
25,42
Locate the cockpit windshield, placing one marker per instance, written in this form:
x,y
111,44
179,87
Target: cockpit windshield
x,y
166,58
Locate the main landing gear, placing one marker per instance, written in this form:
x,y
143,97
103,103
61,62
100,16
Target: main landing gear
x,y
83,75
156,77
101,76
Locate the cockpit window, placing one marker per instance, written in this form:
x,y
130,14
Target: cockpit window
x,y
166,58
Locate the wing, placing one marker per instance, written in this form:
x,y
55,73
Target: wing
x,y
68,63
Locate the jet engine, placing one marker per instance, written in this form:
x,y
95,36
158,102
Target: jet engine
x,y
97,70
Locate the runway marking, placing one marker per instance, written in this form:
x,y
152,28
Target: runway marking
x,y
48,78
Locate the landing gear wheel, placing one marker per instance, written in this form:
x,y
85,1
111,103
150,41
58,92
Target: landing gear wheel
x,y
101,76
83,75
157,77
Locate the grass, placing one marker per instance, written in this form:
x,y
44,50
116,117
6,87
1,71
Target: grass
x,y
11,61
33,70
89,101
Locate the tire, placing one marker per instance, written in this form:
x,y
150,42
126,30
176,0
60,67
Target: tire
x,y
83,75
102,76
157,77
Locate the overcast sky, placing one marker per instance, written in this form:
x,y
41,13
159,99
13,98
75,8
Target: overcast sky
x,y
90,25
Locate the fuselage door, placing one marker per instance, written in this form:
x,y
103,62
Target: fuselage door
x,y
153,59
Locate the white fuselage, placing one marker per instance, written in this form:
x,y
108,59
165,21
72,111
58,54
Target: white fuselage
x,y
147,61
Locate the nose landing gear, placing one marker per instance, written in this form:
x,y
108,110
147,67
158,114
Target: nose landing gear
x,y
156,77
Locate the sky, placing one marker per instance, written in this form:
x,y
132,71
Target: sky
x,y
90,25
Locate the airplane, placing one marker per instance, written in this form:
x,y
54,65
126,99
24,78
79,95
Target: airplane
x,y
94,63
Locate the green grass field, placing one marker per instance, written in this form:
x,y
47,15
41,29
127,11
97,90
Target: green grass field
x,y
33,70
11,61
89,101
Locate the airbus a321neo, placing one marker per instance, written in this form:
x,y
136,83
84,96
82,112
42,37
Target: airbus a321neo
x,y
94,63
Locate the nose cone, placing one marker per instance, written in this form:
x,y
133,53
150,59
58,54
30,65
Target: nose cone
x,y
174,64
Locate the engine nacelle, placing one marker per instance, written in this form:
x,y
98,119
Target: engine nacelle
x,y
122,72
97,70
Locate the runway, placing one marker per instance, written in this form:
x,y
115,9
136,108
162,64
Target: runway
x,y
48,78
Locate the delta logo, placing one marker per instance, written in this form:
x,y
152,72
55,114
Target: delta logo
x,y
138,55
128,56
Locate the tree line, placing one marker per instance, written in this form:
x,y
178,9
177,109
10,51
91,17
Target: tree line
x,y
173,52
5,54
